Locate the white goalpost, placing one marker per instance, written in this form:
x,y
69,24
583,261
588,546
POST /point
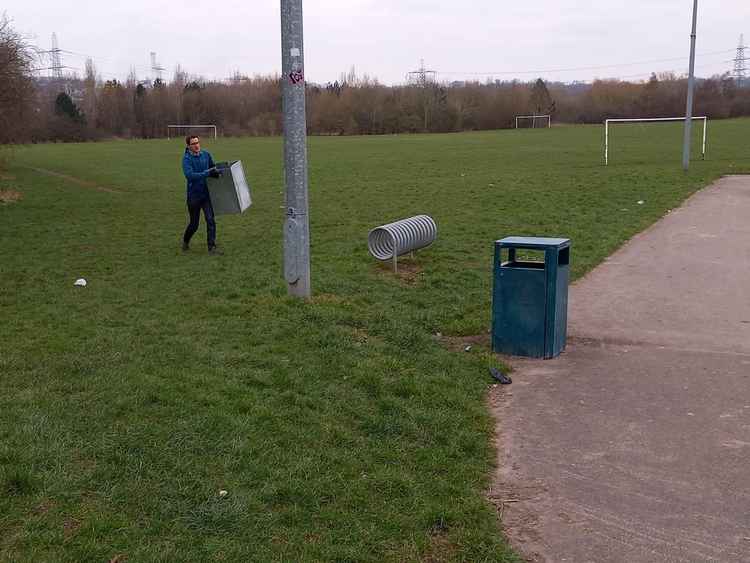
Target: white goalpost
x,y
647,119
178,127
534,118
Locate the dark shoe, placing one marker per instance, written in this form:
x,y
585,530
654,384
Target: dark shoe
x,y
213,251
185,246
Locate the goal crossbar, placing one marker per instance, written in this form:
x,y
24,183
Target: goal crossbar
x,y
645,120
534,117
170,127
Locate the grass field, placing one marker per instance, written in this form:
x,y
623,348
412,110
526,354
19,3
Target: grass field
x,y
343,429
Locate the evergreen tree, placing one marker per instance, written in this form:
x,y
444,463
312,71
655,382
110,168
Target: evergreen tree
x,y
541,101
65,106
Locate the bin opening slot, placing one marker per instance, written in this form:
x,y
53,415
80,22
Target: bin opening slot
x,y
522,258
563,258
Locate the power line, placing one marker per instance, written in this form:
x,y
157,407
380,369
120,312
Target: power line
x,y
421,75
142,68
575,69
103,59
155,67
716,65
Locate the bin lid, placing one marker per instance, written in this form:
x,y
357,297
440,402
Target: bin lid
x,y
533,242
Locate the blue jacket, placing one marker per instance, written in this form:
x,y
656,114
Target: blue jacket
x,y
195,168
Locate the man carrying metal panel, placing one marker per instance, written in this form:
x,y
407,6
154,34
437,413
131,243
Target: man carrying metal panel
x,y
197,165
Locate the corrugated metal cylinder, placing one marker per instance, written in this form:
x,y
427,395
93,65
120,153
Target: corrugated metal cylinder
x,y
401,237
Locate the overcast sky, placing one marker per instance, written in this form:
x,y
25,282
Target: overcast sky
x,y
472,39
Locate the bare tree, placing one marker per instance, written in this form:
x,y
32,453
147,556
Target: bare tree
x,y
244,105
16,84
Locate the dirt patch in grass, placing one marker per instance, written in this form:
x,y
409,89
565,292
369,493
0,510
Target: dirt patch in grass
x,y
74,180
313,538
409,273
440,550
71,527
10,196
84,463
362,337
459,343
44,506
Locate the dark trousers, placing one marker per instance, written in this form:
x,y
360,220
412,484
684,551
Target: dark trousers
x,y
194,209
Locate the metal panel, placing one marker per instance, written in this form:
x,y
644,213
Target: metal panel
x,y
240,185
230,193
519,315
551,257
541,243
561,306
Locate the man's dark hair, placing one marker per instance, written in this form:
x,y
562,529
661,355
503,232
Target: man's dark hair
x,y
190,138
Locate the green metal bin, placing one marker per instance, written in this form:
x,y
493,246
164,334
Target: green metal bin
x,y
530,298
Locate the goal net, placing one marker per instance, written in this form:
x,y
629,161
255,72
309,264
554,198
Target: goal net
x,y
533,121
184,130
653,138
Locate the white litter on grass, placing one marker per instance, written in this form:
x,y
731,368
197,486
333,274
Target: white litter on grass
x,y
467,349
223,493
641,202
81,282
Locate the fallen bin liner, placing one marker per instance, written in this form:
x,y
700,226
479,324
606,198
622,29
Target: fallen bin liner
x,y
230,192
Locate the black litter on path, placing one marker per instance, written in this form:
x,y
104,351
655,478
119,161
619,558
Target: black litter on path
x,y
500,377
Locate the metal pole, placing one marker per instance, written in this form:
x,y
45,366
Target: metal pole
x,y
606,142
395,254
297,224
705,126
691,88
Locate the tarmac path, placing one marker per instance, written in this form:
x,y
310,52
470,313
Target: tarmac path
x,y
634,445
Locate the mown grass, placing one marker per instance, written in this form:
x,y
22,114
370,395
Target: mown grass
x,y
341,428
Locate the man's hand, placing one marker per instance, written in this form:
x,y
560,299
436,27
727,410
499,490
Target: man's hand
x,y
214,173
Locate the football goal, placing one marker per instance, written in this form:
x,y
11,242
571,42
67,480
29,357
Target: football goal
x,y
176,128
647,120
533,118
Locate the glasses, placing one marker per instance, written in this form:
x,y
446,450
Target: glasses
x,y
195,143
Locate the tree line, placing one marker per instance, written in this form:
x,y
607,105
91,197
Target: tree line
x,y
90,108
